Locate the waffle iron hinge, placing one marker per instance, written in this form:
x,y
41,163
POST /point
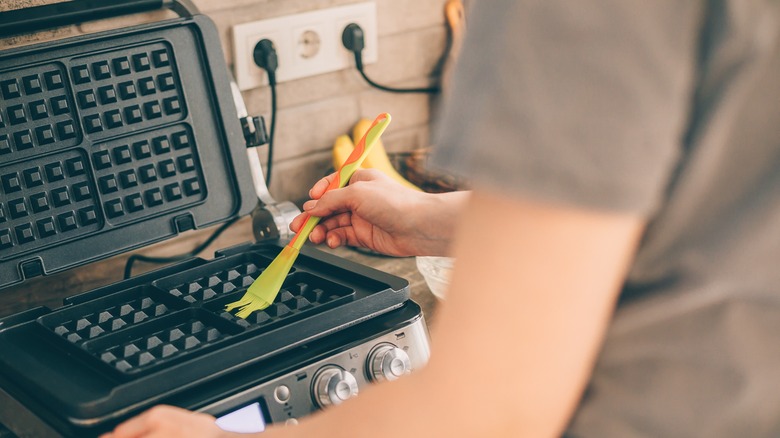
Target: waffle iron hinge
x,y
255,133
271,219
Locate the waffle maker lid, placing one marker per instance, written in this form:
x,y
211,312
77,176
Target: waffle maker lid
x,y
113,141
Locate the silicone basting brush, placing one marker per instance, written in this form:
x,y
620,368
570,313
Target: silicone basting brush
x,y
264,290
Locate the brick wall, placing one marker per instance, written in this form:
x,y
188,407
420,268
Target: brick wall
x,y
411,40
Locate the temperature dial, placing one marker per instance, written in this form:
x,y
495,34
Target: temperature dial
x,y
333,385
388,362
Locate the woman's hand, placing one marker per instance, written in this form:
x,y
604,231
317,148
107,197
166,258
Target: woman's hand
x,y
169,422
377,213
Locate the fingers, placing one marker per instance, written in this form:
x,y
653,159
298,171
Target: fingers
x,y
366,175
310,210
164,421
297,223
334,202
132,428
337,221
322,230
337,238
135,427
329,206
320,186
337,231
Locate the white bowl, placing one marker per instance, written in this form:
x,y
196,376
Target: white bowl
x,y
437,272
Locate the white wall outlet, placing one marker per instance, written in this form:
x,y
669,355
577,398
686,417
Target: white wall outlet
x,y
306,44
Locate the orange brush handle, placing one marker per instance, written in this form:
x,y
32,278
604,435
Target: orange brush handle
x,y
343,175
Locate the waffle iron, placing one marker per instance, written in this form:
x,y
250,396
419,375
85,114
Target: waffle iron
x,y
113,141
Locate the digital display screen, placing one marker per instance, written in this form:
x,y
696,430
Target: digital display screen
x,y
248,419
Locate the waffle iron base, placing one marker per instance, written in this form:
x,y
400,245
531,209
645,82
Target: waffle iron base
x,y
163,337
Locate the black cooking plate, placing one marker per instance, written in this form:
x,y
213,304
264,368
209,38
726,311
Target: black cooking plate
x,y
113,141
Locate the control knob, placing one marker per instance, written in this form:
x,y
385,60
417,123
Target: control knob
x,y
333,385
388,362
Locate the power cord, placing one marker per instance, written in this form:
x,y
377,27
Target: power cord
x,y
264,55
354,40
162,260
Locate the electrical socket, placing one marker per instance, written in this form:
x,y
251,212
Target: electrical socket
x,y
306,44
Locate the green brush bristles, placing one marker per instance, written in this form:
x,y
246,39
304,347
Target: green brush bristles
x,y
263,291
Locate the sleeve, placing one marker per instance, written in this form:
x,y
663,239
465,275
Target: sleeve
x,y
578,102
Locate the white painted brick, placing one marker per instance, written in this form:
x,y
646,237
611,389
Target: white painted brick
x,y
302,91
313,127
405,140
408,110
7,5
401,16
394,16
272,7
293,178
410,55
47,35
125,21
39,37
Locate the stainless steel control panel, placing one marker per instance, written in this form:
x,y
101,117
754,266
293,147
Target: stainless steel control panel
x,y
333,380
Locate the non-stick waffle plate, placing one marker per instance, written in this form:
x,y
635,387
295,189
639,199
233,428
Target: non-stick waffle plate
x,y
113,141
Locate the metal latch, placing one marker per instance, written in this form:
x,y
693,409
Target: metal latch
x,y
255,133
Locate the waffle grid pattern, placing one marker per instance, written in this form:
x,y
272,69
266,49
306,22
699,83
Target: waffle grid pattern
x,y
92,143
208,287
123,311
46,202
138,176
149,326
128,89
196,332
37,114
300,294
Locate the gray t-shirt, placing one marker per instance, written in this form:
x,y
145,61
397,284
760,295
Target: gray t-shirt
x,y
665,108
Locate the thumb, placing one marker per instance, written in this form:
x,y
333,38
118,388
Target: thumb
x,y
333,202
366,175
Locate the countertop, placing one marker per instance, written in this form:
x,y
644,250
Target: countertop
x,y
51,290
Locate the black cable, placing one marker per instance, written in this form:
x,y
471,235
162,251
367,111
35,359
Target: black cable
x,y
359,66
271,134
162,260
264,55
353,39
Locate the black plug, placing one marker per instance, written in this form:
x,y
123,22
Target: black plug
x,y
354,39
265,57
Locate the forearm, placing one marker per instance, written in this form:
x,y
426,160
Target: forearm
x,y
436,220
516,339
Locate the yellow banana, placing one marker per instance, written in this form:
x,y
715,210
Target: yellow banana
x,y
342,147
378,158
